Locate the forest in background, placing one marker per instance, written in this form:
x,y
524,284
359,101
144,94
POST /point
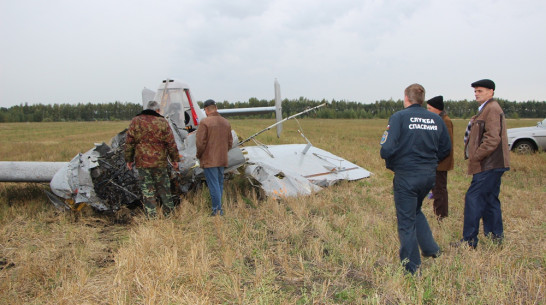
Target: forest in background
x,y
334,110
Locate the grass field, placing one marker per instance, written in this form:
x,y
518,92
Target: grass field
x,y
339,246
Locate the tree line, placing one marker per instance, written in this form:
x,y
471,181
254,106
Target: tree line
x,y
385,108
69,112
334,110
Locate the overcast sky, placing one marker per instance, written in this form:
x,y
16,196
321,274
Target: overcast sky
x,y
64,51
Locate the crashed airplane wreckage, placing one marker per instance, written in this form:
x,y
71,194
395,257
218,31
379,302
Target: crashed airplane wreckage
x,y
100,178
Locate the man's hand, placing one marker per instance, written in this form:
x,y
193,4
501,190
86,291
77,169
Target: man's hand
x,y
130,165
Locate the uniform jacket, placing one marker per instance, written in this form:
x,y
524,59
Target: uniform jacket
x,y
487,144
150,140
447,163
415,140
213,141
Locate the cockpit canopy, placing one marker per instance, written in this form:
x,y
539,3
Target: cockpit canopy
x,y
175,102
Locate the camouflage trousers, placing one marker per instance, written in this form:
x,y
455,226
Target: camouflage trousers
x,y
155,182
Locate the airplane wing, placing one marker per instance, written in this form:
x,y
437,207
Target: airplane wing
x,y
27,171
297,169
245,111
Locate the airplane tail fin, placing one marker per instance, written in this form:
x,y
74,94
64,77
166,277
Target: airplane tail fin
x,y
278,107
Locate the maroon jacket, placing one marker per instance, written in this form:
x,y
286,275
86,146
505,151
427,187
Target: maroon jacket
x,y
213,141
487,144
447,163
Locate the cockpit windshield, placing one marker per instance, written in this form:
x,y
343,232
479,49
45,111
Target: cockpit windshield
x,y
176,103
173,103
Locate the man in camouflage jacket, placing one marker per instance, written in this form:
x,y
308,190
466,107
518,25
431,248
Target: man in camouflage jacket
x,y
149,143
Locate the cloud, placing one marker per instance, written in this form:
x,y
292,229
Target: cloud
x,y
102,51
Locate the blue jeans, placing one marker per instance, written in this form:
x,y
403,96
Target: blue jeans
x,y
482,202
413,230
215,182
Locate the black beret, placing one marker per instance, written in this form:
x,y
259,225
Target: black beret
x,y
437,102
486,83
209,103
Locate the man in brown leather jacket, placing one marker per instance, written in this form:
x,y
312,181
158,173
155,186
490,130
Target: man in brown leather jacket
x,y
213,141
486,148
439,191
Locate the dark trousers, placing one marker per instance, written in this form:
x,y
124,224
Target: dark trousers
x,y
440,194
410,189
482,202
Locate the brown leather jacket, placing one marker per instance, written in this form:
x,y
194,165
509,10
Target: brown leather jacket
x,y
487,145
447,163
213,141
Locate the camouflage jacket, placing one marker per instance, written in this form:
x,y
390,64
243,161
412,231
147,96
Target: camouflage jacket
x,y
150,141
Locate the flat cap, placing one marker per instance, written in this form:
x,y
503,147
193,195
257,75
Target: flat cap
x,y
437,102
486,83
209,103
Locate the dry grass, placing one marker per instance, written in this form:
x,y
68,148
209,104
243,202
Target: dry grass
x,y
53,141
339,246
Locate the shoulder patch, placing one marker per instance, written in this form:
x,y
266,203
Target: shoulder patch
x,y
384,137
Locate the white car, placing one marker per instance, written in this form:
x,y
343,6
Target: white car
x,y
528,139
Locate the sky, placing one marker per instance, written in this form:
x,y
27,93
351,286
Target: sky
x,y
64,51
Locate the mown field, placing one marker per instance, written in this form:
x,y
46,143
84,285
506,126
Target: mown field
x,y
339,246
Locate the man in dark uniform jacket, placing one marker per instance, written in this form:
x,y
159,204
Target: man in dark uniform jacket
x,y
412,145
439,191
488,154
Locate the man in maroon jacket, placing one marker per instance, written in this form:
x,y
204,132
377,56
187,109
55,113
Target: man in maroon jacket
x,y
439,191
213,141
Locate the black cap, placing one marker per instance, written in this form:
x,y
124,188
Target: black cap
x,y
209,103
486,83
437,102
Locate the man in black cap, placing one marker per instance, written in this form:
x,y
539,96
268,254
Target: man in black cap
x,y
439,191
213,141
486,148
